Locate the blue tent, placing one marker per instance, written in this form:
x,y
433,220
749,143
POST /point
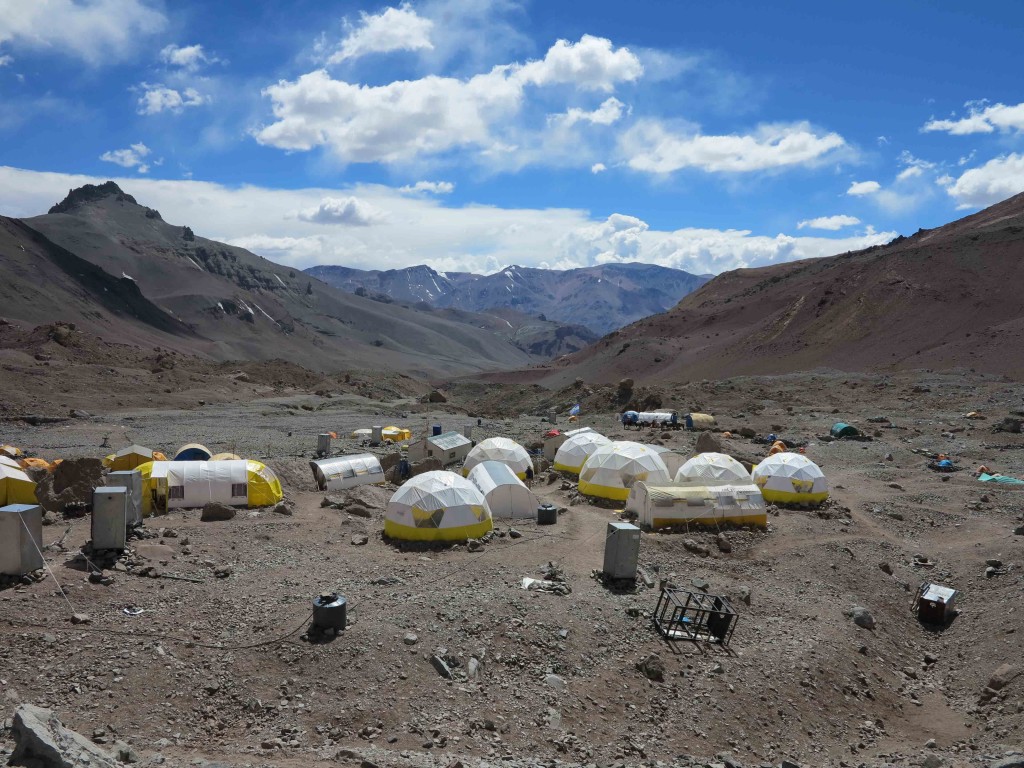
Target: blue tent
x,y
842,429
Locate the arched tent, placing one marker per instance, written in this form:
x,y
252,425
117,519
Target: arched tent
x,y
660,507
499,449
396,434
612,469
437,506
10,451
673,461
842,429
791,478
554,439
193,452
15,487
225,457
32,462
128,458
7,461
700,421
505,493
574,452
361,434
337,473
712,469
176,484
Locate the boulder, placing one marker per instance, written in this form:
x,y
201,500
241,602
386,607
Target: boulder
x,y
429,464
1003,676
41,740
217,510
862,617
71,483
708,442
652,667
747,432
436,397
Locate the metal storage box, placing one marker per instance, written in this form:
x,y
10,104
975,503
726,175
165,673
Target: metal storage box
x,y
21,539
621,551
109,517
935,603
132,480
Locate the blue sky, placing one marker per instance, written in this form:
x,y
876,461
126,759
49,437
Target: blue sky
x,y
475,134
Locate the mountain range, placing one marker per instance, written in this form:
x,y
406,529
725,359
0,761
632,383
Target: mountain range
x,y
601,298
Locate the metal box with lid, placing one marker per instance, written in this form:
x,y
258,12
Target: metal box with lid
x,y
132,480
621,551
935,603
109,517
21,539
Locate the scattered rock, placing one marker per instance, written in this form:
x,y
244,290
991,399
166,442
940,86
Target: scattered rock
x,y
42,741
410,639
723,541
697,549
701,585
652,667
862,617
442,668
514,534
709,442
744,594
81,618
436,397
360,539
217,511
283,508
1003,676
554,681
885,568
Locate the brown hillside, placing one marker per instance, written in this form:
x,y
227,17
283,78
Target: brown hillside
x,y
945,298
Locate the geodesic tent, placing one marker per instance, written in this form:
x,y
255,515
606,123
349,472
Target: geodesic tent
x,y
713,469
506,495
499,449
15,487
673,461
574,452
612,469
791,478
437,506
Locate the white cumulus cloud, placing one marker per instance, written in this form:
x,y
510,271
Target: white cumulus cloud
x,y
650,146
598,168
393,29
409,119
831,223
159,98
132,157
608,112
96,31
189,57
6,59
350,211
861,188
996,180
982,118
434,187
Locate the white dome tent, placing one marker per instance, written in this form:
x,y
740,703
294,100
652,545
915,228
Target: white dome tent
x,y
437,506
713,469
574,452
499,449
673,461
612,469
791,478
506,495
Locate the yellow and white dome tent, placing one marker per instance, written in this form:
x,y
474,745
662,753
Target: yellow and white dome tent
x,y
713,469
791,478
437,506
574,452
499,449
612,469
15,486
175,484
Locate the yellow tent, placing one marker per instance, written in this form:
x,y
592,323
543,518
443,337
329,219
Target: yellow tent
x,y
177,484
10,451
15,487
34,463
396,433
129,458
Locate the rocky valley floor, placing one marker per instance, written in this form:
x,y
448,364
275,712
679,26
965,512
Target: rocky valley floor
x,y
217,668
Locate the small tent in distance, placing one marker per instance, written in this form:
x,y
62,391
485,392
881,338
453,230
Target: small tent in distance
x,y
129,457
193,452
437,506
506,495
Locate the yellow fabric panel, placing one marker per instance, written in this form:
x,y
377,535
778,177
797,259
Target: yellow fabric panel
x,y
603,491
566,468
787,497
264,486
759,519
128,462
458,533
15,491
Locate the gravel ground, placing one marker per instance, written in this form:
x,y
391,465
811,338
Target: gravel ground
x,y
219,671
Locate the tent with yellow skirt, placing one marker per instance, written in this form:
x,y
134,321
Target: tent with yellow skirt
x,y
177,484
437,506
15,487
790,478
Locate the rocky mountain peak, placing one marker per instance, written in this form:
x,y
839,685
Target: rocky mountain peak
x,y
89,193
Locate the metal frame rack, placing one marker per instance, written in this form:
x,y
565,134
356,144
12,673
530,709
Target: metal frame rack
x,y
694,616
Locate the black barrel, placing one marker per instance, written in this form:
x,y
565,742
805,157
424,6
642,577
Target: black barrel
x,y
329,612
547,514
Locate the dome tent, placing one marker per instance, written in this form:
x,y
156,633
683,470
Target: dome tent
x,y
437,506
506,495
128,458
791,478
673,461
15,487
713,469
193,452
574,452
612,469
499,449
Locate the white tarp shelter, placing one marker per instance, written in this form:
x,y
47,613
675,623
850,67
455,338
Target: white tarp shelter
x,y
574,452
665,506
673,461
712,469
501,449
437,506
612,469
340,472
506,494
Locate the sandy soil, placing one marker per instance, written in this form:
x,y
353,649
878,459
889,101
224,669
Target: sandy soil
x,y
218,670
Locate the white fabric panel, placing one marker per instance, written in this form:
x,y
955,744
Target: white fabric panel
x,y
506,494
